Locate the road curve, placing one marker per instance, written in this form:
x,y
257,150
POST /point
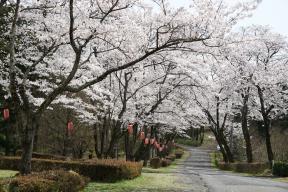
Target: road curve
x,y
198,167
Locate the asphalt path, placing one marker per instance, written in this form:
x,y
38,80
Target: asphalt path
x,y
198,172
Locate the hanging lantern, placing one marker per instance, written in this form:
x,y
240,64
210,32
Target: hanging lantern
x,y
160,149
158,146
70,127
146,141
130,128
152,141
6,114
142,135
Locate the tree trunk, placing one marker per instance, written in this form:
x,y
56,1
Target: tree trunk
x,y
268,141
27,145
8,139
265,112
115,137
229,154
146,155
222,150
36,138
96,133
244,122
222,141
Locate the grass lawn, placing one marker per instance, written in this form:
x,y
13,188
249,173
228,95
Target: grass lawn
x,y
283,179
146,182
4,174
160,180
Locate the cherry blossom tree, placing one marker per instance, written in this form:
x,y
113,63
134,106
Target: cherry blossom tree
x,y
260,56
76,45
250,60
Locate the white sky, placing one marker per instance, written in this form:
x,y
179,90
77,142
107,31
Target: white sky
x,y
270,12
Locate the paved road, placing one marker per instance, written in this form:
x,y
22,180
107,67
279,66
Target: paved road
x,y
197,169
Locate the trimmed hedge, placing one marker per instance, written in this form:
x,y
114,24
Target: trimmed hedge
x,y
49,181
252,168
280,169
171,157
179,153
32,184
165,162
156,163
96,170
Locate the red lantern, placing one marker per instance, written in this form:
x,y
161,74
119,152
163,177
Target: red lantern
x,y
130,128
158,146
146,141
6,114
70,127
142,135
152,141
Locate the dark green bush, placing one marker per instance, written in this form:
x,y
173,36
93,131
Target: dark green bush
x,y
280,169
165,162
179,153
49,181
97,170
155,163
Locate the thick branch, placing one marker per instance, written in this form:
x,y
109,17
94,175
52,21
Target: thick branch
x,y
12,62
129,64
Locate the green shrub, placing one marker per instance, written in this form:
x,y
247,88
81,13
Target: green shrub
x,y
97,170
179,153
155,163
49,181
280,169
252,168
165,162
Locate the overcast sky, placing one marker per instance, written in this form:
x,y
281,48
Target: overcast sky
x,y
270,12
